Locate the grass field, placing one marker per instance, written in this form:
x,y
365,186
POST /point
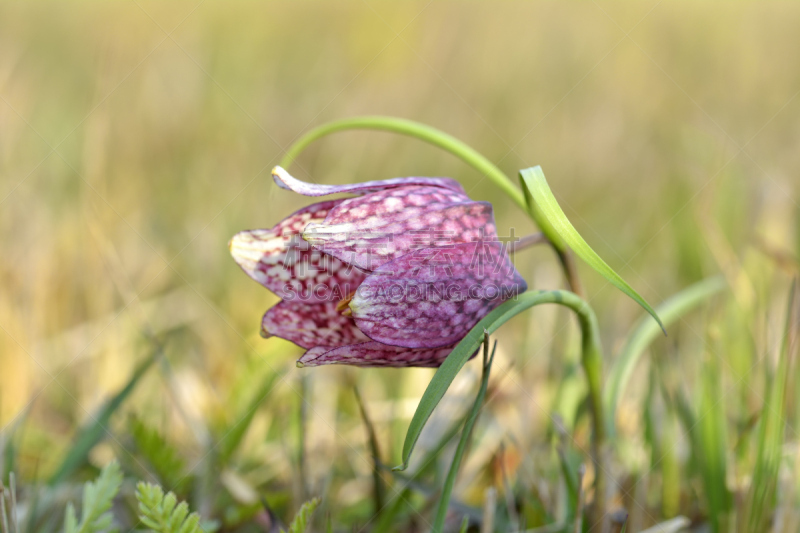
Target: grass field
x,y
137,138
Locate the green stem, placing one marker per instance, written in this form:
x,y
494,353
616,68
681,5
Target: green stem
x,y
418,131
447,489
377,483
461,150
592,359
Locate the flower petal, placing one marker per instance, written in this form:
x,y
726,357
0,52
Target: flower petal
x,y
310,325
286,181
432,297
398,203
287,265
373,353
372,242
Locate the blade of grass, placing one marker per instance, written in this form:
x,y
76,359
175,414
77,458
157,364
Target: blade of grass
x,y
390,517
670,466
761,496
490,323
711,446
569,473
581,497
591,359
447,489
3,511
94,431
12,434
377,482
427,462
646,332
543,205
234,436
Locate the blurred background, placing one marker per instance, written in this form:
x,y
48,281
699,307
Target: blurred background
x,y
137,137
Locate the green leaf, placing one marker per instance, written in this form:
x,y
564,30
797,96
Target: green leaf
x,y
233,437
95,430
545,209
164,458
646,332
97,499
162,513
763,488
710,445
447,489
377,482
469,344
301,520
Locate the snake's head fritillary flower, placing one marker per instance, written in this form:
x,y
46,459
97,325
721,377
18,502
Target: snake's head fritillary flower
x,y
395,276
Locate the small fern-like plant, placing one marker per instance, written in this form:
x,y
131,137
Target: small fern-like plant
x,y
162,513
97,498
162,456
303,516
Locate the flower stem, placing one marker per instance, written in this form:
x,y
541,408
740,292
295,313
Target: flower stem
x,y
456,147
567,260
527,241
419,131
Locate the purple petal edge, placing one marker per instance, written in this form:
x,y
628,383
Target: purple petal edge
x,y
374,354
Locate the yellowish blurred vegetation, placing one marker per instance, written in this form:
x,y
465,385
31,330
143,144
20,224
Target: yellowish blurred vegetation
x,y
137,137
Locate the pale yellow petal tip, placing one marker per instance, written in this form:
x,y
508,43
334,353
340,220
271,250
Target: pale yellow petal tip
x,y
300,364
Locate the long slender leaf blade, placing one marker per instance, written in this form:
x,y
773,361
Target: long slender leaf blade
x,y
645,333
377,481
536,187
771,431
447,489
710,444
463,351
235,434
94,431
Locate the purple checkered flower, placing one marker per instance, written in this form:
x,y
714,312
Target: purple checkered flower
x,y
395,276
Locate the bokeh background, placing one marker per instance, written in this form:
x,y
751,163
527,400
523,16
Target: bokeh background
x,y
137,137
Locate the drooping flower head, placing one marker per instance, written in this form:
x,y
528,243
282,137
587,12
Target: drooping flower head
x,y
395,276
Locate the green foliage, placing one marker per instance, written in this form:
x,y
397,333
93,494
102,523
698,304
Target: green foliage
x,y
544,206
162,513
710,443
233,436
162,456
97,428
772,425
96,504
645,333
302,519
466,433
463,351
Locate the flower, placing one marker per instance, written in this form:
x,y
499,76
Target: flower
x,y
395,276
